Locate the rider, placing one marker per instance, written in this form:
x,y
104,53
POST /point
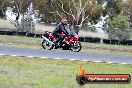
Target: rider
x,y
60,28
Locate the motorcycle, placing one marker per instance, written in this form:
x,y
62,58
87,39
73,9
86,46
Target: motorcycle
x,y
69,42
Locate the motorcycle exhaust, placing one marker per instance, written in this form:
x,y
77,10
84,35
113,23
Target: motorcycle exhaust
x,y
47,39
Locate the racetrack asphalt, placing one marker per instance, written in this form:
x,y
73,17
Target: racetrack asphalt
x,y
68,55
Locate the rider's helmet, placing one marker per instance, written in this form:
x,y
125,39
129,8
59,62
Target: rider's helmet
x,y
64,21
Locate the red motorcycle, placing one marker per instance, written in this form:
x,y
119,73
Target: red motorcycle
x,y
69,42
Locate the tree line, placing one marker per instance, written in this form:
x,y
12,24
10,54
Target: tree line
x,y
78,13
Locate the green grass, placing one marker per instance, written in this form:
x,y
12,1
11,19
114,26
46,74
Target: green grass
x,y
19,41
107,49
22,72
28,42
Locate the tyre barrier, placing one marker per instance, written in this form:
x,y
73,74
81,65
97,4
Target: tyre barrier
x,y
13,32
112,41
34,35
123,42
96,40
30,34
129,42
117,42
106,41
2,32
8,33
82,39
38,35
92,39
21,33
126,42
89,39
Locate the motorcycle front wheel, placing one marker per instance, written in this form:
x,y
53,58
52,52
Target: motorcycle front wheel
x,y
47,45
76,47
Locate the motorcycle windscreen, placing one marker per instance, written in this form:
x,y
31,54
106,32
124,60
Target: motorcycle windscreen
x,y
70,30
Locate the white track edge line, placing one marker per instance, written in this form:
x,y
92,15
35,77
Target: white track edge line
x,y
60,58
123,63
57,58
1,54
109,62
85,60
29,56
97,61
13,55
72,59
43,57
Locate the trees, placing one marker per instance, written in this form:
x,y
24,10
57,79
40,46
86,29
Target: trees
x,y
113,8
78,12
119,28
45,11
119,12
126,9
1,13
19,7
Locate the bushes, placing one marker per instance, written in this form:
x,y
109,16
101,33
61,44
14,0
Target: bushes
x,y
118,28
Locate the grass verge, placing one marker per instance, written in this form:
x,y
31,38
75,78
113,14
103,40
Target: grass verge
x,y
28,42
107,49
22,72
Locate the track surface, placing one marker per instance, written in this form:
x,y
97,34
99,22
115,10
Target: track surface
x,y
59,54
